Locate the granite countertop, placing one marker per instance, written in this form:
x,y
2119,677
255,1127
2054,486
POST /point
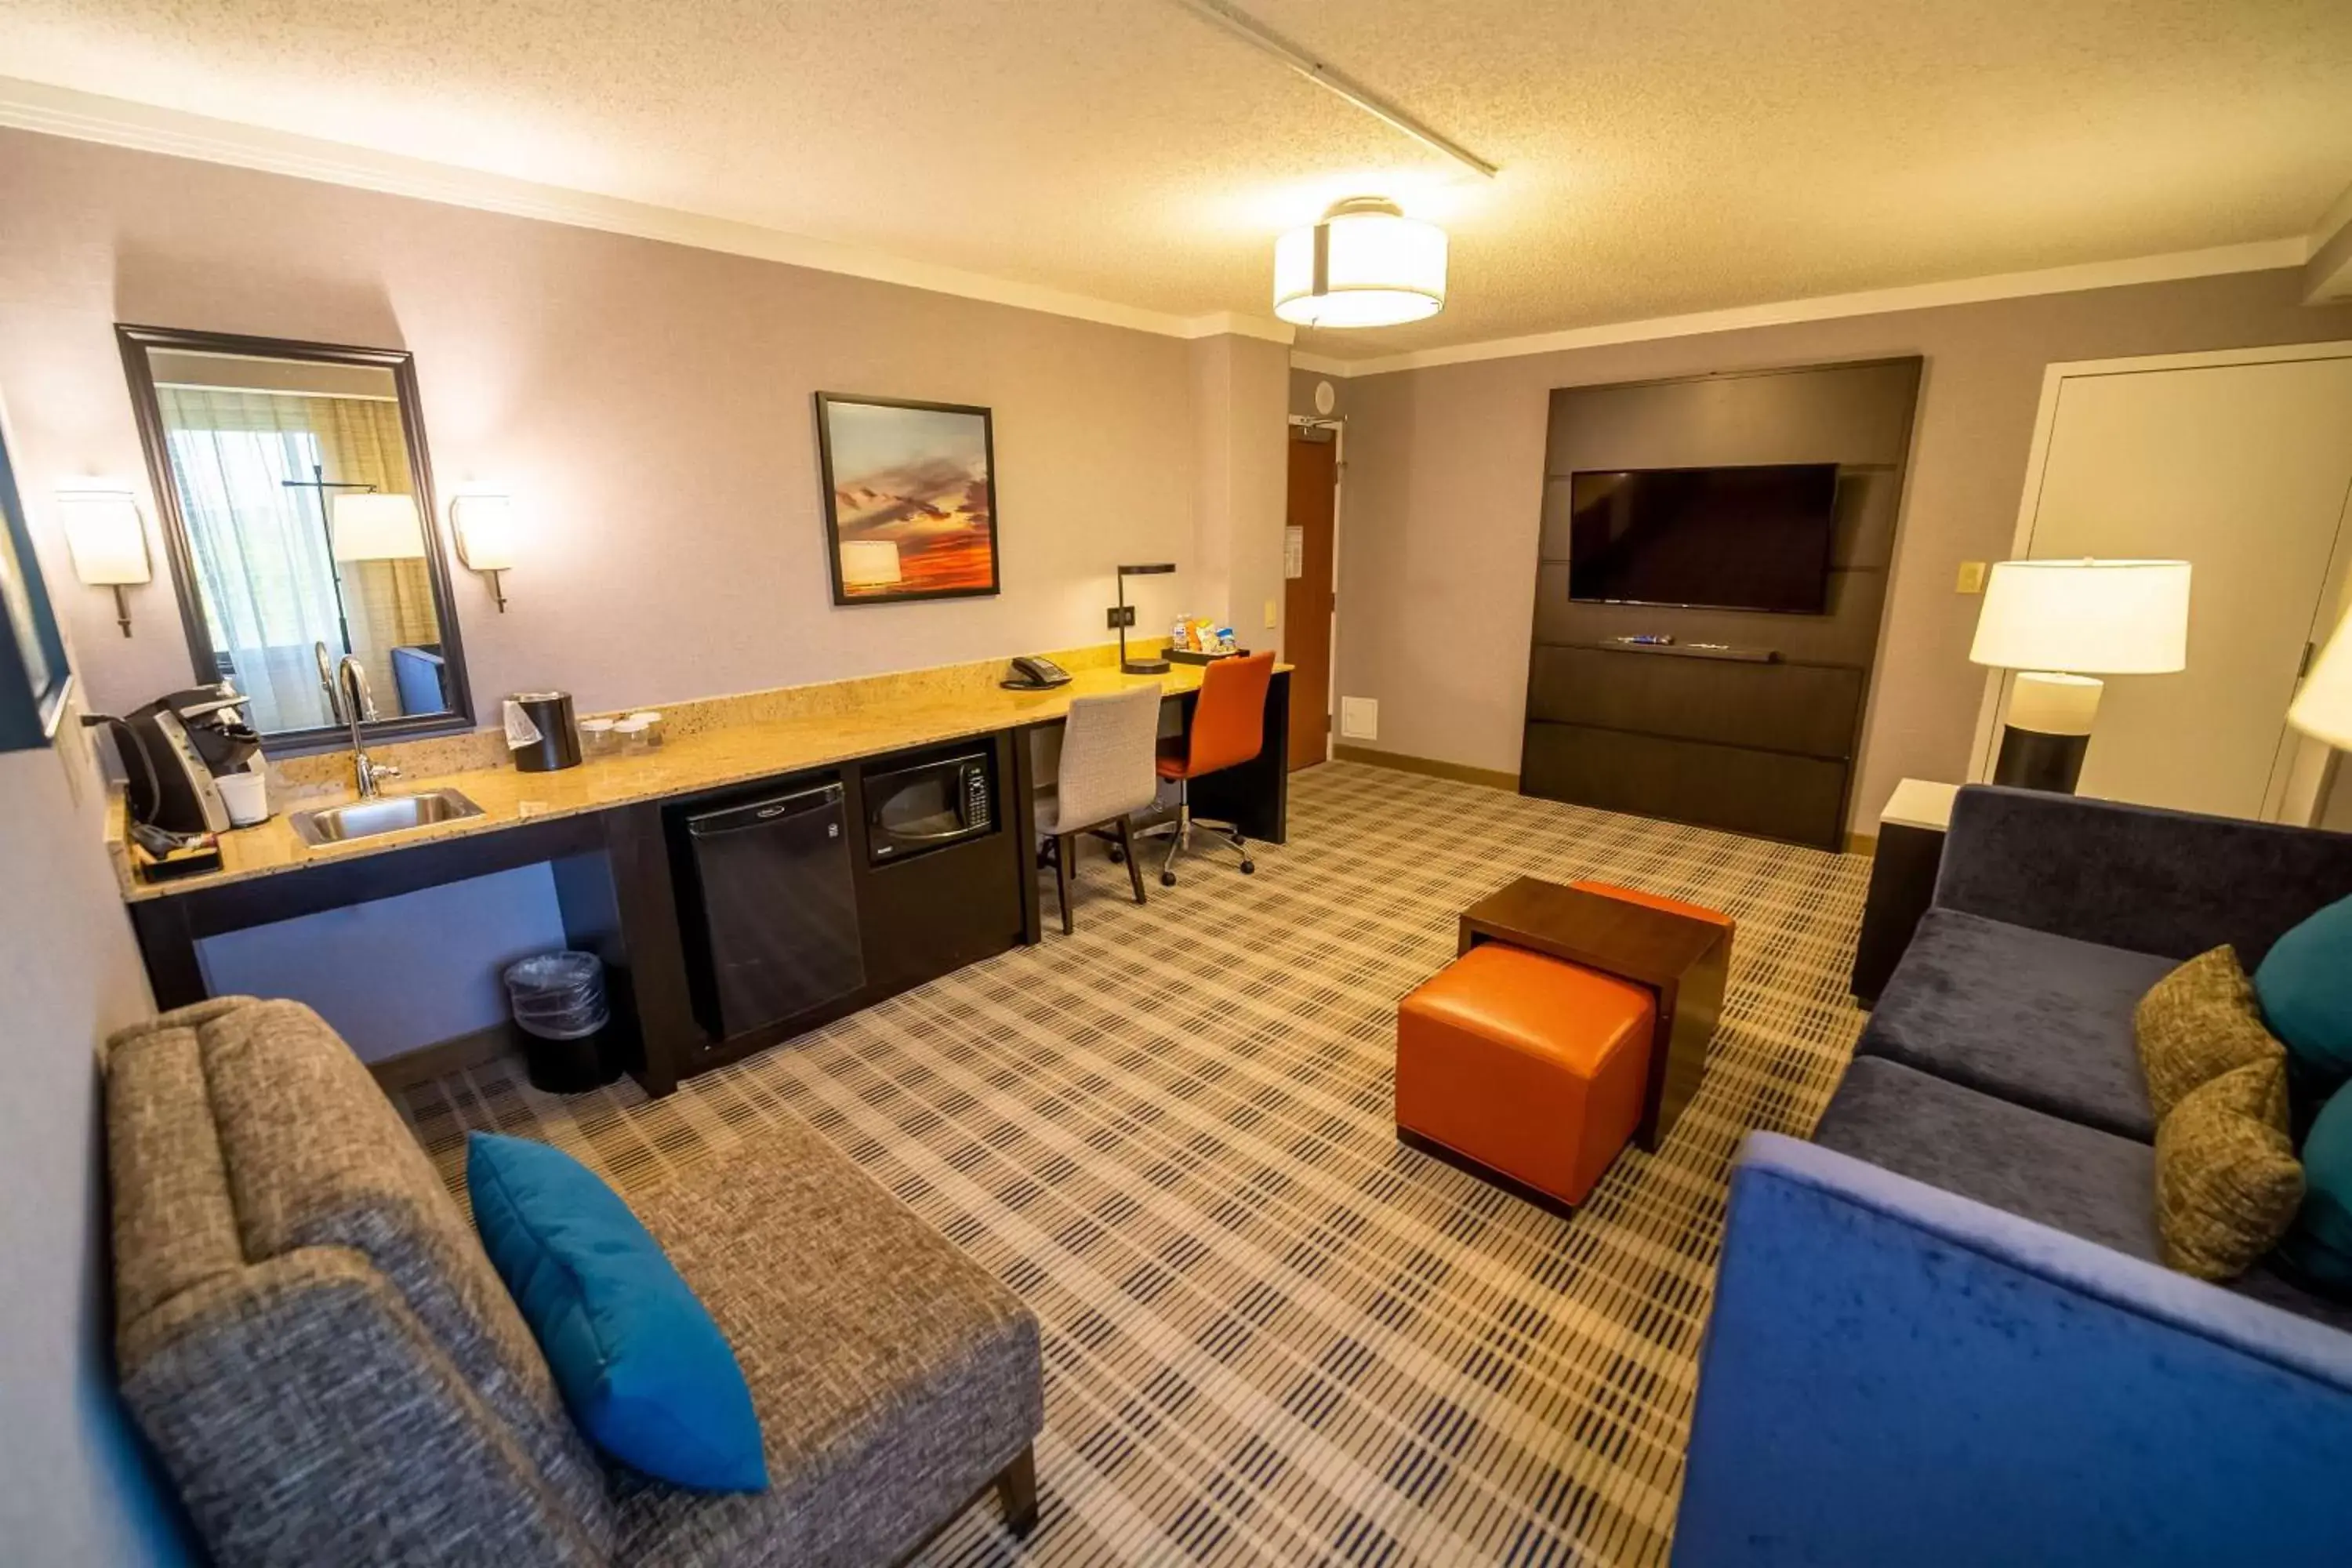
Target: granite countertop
x,y
878,723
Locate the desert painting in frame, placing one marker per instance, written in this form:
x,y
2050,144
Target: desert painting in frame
x,y
909,499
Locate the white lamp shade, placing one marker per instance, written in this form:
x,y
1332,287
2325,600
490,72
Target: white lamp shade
x,y
2323,708
370,526
868,563
2086,617
1365,265
105,536
486,532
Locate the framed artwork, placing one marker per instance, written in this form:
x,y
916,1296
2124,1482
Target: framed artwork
x,y
909,499
34,674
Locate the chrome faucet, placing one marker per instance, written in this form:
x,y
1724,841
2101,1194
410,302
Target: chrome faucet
x,y
358,704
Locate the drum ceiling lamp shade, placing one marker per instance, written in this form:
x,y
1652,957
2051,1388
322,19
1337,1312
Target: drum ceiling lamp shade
x,y
2060,625
1365,265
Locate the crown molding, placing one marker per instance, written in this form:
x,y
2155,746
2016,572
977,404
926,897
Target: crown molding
x,y
1323,366
147,127
2261,256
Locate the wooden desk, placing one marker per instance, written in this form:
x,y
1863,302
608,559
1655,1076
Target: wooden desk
x,y
1684,960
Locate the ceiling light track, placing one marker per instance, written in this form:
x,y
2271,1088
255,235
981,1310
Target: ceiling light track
x,y
1258,36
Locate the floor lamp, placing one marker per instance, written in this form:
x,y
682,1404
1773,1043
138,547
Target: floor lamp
x,y
2060,625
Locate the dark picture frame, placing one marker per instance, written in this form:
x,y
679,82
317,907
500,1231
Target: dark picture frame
x,y
35,677
135,341
905,500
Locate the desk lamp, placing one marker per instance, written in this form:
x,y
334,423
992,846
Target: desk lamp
x,y
2060,625
1124,616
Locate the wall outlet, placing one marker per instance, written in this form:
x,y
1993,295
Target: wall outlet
x,y
1359,717
1118,615
1972,576
1273,613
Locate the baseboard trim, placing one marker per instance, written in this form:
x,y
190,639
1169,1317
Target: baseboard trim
x,y
1458,772
1862,843
455,1054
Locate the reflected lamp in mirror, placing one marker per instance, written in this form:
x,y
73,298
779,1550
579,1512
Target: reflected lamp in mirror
x,y
2323,708
486,537
378,527
108,540
2060,625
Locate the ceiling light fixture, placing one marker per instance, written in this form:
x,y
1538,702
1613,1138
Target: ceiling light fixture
x,y
1365,265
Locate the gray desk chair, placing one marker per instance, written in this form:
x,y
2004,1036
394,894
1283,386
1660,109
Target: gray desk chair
x,y
1108,744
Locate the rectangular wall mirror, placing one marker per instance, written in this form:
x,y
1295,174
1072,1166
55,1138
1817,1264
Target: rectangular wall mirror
x,y
299,514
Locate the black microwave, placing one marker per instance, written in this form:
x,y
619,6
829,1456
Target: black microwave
x,y
913,809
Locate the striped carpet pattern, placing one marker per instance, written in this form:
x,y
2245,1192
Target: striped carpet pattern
x,y
1272,1334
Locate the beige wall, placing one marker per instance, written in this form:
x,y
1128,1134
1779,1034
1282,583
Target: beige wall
x,y
1446,476
647,404
1239,482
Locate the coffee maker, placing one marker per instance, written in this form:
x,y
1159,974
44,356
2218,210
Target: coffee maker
x,y
173,748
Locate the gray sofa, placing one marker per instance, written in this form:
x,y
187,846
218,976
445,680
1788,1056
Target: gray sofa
x,y
1942,1330
311,1336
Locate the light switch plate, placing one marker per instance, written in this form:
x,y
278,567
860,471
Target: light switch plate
x,y
1359,717
1273,613
1972,576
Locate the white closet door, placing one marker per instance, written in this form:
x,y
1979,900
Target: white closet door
x,y
2244,471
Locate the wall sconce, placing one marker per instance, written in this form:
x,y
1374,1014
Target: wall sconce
x,y
486,537
108,541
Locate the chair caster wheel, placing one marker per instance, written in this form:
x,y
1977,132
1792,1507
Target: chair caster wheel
x,y
1118,856
1248,868
1167,878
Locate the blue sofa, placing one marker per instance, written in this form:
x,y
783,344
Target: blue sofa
x,y
1942,1332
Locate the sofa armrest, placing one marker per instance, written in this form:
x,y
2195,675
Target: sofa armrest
x,y
1895,1374
2167,882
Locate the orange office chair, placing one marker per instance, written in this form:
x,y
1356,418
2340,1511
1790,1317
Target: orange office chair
x,y
1228,730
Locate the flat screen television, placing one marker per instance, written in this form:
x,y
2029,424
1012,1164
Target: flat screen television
x,y
1755,538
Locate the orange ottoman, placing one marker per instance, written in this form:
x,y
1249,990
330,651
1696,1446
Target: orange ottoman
x,y
1525,1071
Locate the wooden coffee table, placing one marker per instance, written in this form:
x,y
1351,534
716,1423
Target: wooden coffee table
x,y
1684,960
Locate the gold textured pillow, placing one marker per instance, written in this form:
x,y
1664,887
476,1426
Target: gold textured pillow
x,y
2227,1184
2198,1023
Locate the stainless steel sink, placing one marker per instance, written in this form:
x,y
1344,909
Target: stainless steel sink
x,y
386,814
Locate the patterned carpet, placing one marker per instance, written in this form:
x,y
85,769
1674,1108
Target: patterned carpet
x,y
1272,1334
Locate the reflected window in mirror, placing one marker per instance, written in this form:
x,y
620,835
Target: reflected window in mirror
x,y
301,526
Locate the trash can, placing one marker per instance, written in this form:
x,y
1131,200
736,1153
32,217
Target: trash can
x,y
558,1001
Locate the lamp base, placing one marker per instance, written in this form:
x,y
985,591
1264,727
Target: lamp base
x,y
1143,665
2048,731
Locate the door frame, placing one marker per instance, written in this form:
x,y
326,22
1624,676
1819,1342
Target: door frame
x,y
1337,425
2302,768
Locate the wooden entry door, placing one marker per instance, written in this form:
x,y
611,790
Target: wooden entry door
x,y
1308,595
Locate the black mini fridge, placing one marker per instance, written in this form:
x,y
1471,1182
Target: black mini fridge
x,y
778,911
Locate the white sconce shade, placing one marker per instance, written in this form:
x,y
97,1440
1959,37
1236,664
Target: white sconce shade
x,y
375,526
486,537
2323,708
868,563
108,541
2086,617
1365,265
486,532
105,537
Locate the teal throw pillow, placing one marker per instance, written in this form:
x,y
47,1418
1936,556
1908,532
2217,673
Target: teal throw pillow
x,y
2318,1246
2304,985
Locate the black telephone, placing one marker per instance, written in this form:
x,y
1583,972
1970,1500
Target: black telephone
x,y
1032,673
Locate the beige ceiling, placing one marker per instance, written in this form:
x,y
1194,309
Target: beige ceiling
x,y
1659,156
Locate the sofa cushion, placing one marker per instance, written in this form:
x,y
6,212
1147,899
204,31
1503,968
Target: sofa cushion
x,y
2043,1020
2078,1179
645,1371
893,1376
2057,1172
2226,1184
2306,986
2196,1024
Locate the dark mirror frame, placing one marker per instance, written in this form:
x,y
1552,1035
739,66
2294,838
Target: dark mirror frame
x,y
135,341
